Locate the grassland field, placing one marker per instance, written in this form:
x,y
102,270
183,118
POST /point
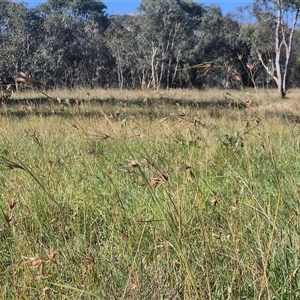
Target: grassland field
x,y
179,194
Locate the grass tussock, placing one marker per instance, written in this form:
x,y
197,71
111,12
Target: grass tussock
x,y
176,197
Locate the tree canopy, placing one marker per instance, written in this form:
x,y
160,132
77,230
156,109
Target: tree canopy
x,y
167,44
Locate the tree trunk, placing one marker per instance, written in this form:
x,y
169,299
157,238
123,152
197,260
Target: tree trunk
x,y
154,51
281,40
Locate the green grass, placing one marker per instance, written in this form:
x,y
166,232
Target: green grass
x,y
183,196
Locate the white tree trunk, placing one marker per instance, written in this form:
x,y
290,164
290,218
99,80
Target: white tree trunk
x,y
280,40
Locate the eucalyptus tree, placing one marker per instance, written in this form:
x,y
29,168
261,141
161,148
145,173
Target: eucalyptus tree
x,y
271,38
216,44
126,41
122,42
211,50
179,34
16,40
166,27
73,50
294,71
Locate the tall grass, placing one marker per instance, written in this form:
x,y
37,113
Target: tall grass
x,y
180,195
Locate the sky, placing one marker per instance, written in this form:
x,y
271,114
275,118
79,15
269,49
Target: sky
x,y
123,6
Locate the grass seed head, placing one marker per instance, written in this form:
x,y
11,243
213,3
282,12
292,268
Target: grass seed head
x,y
214,202
158,180
11,203
134,163
35,261
51,255
250,66
146,161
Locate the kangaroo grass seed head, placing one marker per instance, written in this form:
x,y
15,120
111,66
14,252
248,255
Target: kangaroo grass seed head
x,y
250,66
35,261
214,202
51,255
11,203
158,180
134,164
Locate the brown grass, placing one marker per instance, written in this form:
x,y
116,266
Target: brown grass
x,y
189,94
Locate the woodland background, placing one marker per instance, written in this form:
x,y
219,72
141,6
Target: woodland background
x,y
168,44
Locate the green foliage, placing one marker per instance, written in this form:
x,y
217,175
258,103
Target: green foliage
x,y
15,35
83,10
73,33
165,32
74,43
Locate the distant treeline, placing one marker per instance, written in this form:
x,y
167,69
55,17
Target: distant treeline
x,y
168,44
